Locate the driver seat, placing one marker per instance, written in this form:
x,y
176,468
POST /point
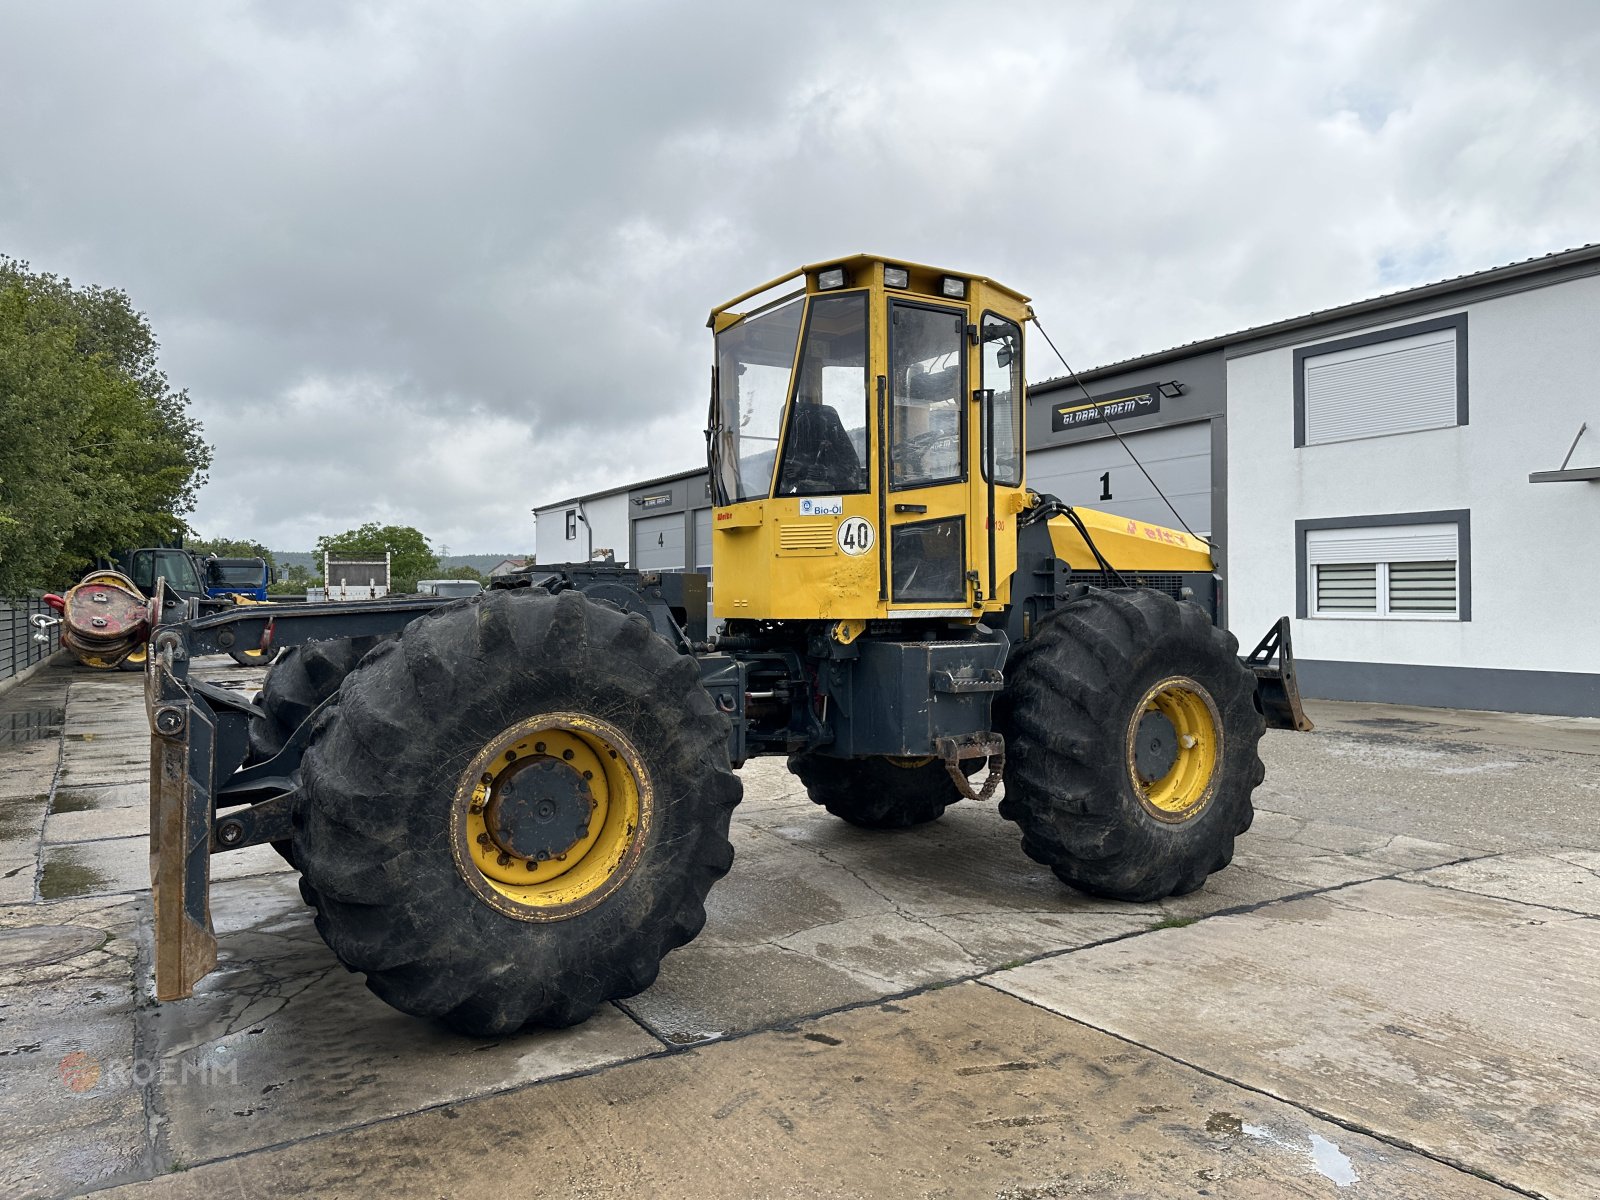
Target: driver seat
x,y
820,457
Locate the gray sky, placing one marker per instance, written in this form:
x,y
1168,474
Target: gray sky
x,y
434,264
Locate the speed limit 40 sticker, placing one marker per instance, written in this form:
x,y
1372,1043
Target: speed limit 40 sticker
x,y
856,535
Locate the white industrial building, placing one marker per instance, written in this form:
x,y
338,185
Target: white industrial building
x,y
1398,475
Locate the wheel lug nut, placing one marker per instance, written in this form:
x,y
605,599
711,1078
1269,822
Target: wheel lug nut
x,y
588,774
504,860
567,754
538,747
483,839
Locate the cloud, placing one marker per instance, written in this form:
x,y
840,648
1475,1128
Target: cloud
x,y
439,264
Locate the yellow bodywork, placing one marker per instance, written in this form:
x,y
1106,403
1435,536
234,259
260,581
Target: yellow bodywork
x,y
775,561
1128,545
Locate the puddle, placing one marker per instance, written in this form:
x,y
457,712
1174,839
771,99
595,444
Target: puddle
x,y
20,815
80,801
30,725
1332,1163
65,876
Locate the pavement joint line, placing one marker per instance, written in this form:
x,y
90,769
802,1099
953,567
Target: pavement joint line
x,y
1351,1126
50,797
1461,891
154,1155
94,841
640,1022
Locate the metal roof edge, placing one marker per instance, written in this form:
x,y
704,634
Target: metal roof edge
x,y
1553,261
626,487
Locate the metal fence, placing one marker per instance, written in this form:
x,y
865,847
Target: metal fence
x,y
18,650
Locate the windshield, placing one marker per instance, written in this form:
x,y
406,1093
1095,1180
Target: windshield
x,y
176,567
754,359
248,574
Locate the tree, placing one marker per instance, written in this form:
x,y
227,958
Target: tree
x,y
411,557
295,579
99,454
463,572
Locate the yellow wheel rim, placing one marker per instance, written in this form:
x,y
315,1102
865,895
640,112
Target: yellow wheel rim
x,y
255,656
550,816
1179,711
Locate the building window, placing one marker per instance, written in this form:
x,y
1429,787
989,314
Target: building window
x,y
1399,380
572,524
1405,566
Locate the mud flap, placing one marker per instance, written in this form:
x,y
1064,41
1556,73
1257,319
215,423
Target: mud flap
x,y
182,745
1277,691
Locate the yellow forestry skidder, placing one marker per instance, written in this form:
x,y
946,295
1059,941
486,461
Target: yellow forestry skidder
x,y
506,809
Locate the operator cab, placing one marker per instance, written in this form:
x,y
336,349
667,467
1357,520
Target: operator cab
x,y
866,443
176,567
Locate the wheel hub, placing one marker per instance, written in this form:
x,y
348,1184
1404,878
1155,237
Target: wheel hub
x,y
539,809
550,816
1155,748
1174,749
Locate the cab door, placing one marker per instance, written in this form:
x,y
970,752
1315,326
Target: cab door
x,y
933,536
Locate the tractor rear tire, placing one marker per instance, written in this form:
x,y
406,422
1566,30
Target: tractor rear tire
x,y
1131,744
877,793
301,679
422,880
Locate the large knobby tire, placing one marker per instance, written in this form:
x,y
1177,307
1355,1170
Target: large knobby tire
x,y
877,793
301,679
1131,736
448,793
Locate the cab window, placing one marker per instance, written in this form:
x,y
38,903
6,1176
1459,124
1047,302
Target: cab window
x,y
826,447
1002,371
754,359
925,421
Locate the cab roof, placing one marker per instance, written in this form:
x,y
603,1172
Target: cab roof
x,y
852,263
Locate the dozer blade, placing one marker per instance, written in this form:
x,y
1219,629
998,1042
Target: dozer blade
x,y
182,742
1277,692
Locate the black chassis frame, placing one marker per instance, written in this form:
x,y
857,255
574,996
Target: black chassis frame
x,y
901,689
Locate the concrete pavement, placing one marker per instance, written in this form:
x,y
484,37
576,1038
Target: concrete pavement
x,y
1391,992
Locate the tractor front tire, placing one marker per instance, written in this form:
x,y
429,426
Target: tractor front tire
x,y
877,793
1131,744
512,813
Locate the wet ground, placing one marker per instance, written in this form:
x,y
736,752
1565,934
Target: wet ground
x,y
1392,992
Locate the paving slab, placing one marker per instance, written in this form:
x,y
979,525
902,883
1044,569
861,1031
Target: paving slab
x,y
1466,1026
1564,879
961,1092
28,768
1439,776
72,1106
282,1042
95,825
113,866
68,799
817,914
20,820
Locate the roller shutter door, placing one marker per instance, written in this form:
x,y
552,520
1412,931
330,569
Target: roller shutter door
x,y
1178,457
659,543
